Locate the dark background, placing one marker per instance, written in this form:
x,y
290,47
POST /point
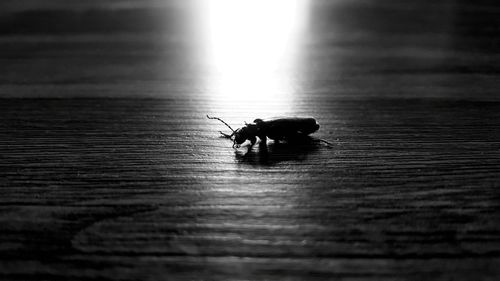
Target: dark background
x,y
109,169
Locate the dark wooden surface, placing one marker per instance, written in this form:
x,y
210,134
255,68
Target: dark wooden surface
x,y
109,169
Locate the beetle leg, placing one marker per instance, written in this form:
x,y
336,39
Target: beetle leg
x,y
226,135
263,138
253,140
327,142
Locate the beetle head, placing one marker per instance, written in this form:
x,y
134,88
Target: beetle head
x,y
245,133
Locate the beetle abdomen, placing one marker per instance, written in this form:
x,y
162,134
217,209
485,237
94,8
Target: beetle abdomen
x,y
282,128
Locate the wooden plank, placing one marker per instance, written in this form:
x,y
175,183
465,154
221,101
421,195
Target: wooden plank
x,y
109,169
119,188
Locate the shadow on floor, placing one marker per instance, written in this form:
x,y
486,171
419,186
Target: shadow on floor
x,y
272,153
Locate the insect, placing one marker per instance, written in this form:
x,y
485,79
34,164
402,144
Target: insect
x,y
277,129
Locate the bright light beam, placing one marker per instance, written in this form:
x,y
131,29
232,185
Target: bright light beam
x,y
251,48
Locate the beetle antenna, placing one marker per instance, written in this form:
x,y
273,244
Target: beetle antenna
x,y
217,118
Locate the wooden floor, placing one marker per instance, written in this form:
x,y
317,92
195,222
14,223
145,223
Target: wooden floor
x,y
109,169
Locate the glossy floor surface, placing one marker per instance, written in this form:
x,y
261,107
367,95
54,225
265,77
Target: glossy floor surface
x,y
109,169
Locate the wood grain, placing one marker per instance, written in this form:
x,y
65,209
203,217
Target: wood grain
x,y
119,188
109,169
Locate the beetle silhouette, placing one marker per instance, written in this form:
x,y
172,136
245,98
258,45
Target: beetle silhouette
x,y
277,129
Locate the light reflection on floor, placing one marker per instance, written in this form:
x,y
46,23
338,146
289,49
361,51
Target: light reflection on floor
x,y
252,61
